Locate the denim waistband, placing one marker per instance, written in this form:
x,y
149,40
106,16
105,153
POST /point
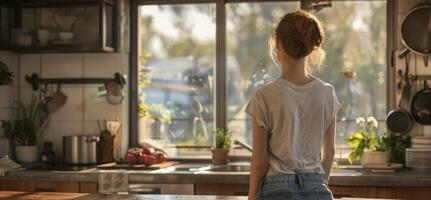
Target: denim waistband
x,y
303,177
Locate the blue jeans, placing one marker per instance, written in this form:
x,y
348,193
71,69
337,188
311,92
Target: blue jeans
x,y
300,186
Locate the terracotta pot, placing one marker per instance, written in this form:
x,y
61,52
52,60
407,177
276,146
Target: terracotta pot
x,y
375,158
219,156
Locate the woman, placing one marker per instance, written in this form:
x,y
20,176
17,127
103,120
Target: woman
x,y
293,118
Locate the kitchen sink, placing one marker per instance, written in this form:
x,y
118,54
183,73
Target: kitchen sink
x,y
230,168
182,168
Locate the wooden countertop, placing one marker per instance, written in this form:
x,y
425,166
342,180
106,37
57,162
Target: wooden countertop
x,y
6,195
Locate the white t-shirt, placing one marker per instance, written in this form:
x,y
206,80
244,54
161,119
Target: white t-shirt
x,y
296,117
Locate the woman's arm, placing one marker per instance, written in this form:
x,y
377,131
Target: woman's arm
x,y
259,158
328,148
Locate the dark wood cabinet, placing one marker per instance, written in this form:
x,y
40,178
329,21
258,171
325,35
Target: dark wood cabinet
x,y
55,26
48,186
413,193
222,189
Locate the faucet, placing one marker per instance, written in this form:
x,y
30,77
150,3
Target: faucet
x,y
243,144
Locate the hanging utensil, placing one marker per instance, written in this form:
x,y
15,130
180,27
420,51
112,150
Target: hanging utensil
x,y
399,119
416,31
421,105
59,98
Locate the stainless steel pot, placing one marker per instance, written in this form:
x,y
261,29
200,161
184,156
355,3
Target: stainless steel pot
x,y
80,149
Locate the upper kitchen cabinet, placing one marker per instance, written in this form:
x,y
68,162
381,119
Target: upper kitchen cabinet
x,y
6,23
47,26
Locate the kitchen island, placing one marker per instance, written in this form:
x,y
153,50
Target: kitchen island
x,y
404,184
76,196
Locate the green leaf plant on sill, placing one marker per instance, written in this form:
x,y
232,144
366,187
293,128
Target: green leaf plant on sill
x,y
367,139
223,142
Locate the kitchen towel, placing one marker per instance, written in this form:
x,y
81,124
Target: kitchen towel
x,y
6,165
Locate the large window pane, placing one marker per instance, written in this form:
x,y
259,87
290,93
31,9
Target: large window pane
x,y
355,44
177,56
249,65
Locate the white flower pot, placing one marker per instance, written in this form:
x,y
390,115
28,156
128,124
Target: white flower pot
x,y
27,154
375,158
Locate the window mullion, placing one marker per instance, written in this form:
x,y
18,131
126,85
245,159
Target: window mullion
x,y
220,70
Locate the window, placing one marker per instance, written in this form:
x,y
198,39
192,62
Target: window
x,y
249,65
178,56
176,64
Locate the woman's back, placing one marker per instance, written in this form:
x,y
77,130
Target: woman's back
x,y
296,118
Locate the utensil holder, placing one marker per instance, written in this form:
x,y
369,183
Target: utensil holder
x,y
106,150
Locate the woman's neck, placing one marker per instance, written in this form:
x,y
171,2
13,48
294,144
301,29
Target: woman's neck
x,y
294,72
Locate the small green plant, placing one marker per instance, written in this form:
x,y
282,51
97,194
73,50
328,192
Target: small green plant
x,y
22,130
6,77
367,139
223,139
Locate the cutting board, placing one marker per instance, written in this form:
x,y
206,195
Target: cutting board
x,y
137,167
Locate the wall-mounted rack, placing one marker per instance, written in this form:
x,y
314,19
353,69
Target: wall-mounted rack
x,y
422,77
35,80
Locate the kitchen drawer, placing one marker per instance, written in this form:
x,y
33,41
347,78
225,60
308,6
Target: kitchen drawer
x,y
39,186
222,189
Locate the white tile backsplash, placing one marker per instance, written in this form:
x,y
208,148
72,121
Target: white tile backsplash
x,y
29,64
98,107
6,98
62,65
57,129
105,65
91,127
4,147
5,57
74,107
79,114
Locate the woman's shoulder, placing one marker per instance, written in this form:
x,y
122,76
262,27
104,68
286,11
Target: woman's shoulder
x,y
325,85
266,88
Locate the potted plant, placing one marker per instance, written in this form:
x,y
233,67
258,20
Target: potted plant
x,y
22,131
220,152
367,145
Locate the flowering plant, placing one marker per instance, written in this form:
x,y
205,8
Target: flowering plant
x,y
367,138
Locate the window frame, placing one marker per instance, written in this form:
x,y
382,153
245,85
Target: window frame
x,y
220,114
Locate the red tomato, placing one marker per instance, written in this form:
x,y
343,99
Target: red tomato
x,y
148,150
131,159
141,159
160,157
148,159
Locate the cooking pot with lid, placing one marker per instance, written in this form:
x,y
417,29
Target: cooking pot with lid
x,y
80,149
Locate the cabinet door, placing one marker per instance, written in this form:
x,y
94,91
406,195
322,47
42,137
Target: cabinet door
x,y
413,193
361,192
88,187
222,189
39,186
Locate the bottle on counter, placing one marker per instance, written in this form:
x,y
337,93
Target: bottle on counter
x,y
48,155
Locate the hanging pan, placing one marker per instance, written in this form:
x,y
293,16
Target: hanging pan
x,y
416,31
421,105
399,120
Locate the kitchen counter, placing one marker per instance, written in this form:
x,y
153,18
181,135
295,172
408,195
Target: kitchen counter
x,y
75,196
345,177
